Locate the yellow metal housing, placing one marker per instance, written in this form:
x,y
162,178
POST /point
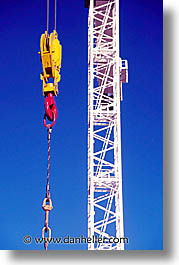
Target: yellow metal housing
x,y
51,53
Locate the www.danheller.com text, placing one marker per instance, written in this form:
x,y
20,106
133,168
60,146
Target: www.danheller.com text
x,y
76,240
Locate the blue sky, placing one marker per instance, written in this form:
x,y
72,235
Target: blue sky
x,y
23,136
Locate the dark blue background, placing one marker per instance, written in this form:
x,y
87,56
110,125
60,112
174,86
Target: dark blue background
x,y
23,138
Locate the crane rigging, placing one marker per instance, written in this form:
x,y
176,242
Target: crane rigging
x,y
50,56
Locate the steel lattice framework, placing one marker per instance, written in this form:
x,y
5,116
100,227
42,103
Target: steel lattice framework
x,y
106,73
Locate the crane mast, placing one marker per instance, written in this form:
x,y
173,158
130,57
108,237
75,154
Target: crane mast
x,y
106,73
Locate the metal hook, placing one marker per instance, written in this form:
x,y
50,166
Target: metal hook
x,y
50,110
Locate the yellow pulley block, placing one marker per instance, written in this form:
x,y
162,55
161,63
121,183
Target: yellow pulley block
x,y
56,52
51,52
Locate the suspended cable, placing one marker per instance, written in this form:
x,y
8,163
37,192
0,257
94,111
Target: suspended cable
x,y
47,15
47,202
48,165
55,14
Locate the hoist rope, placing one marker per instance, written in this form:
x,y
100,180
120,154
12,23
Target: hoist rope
x,y
48,165
55,14
47,15
55,26
47,202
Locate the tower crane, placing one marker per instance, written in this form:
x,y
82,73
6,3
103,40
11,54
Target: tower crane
x,y
106,73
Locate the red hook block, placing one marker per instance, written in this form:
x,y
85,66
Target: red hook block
x,y
50,110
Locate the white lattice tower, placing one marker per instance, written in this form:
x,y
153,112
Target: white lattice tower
x,y
106,72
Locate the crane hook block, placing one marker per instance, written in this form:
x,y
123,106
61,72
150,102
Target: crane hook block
x,y
50,53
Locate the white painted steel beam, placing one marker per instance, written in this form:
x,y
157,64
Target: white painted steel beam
x,y
106,73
